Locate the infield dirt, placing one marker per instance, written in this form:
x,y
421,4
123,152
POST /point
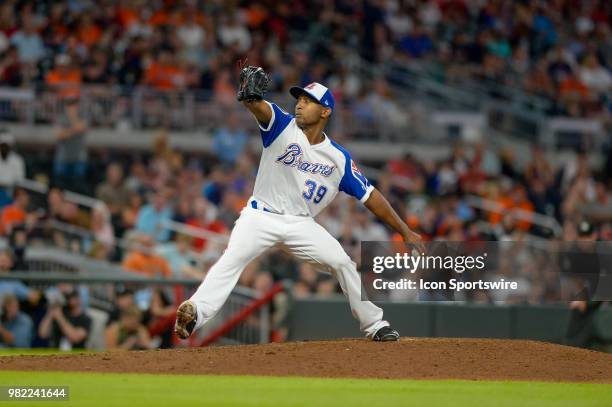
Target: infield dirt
x,y
411,358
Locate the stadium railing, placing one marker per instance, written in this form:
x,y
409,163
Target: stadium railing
x,y
507,107
91,203
407,116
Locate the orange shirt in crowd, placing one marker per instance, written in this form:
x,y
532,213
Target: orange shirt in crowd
x,y
11,215
524,225
572,85
90,35
256,15
126,16
160,17
164,77
66,82
507,203
150,266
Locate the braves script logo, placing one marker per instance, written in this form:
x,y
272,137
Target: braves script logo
x,y
292,157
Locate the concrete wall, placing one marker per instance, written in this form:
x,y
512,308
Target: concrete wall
x,y
331,318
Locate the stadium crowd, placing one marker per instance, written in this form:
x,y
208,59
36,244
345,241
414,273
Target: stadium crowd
x,y
559,50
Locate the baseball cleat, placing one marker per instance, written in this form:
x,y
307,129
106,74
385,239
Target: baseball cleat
x,y
186,317
386,334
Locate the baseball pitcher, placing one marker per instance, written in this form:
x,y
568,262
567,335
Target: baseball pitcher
x,y
300,172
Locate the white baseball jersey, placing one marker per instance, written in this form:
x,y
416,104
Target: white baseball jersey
x,y
297,178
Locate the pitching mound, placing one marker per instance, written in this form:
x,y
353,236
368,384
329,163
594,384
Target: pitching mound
x,y
472,359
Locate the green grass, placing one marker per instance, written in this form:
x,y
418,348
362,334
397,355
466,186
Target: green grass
x,y
98,389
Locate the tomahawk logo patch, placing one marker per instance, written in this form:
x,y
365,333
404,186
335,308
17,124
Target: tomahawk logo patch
x,y
359,176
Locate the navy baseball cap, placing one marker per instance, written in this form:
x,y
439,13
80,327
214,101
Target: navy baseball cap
x,y
316,91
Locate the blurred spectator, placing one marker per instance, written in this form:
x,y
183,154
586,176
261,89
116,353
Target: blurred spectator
x,y
151,217
596,209
98,72
301,290
406,174
384,107
417,43
142,258
160,309
65,326
233,34
184,209
4,42
263,282
71,213
11,70
113,191
326,286
202,219
229,141
539,167
18,242
364,228
55,202
594,76
179,256
16,327
88,32
28,42
14,287
124,298
70,161
64,80
399,21
12,167
164,73
539,81
224,90
128,332
14,214
129,213
307,277
570,86
102,228
192,36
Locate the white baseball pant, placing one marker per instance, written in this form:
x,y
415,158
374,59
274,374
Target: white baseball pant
x,y
254,232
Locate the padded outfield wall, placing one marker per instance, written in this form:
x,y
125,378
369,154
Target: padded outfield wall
x,y
331,318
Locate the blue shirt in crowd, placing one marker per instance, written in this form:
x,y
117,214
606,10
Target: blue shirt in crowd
x,y
228,145
20,290
21,327
150,221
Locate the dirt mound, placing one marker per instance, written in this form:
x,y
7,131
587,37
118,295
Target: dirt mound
x,y
472,359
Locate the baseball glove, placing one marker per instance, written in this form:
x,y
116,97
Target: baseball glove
x,y
253,83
